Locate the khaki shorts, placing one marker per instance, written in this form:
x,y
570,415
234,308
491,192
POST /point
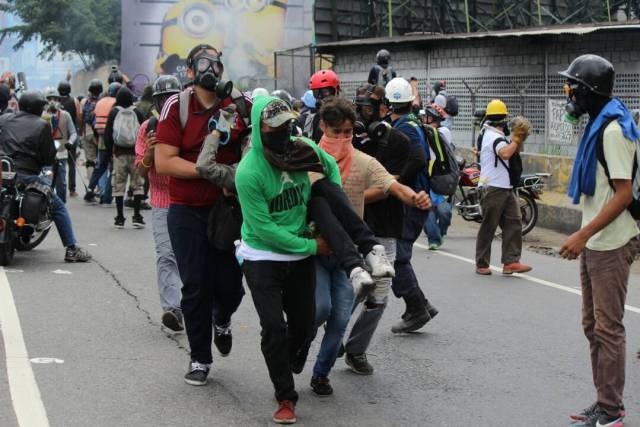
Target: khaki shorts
x,y
90,146
123,168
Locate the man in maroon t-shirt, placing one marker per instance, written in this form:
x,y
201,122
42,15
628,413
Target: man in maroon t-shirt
x,y
212,279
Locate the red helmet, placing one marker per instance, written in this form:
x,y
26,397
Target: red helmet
x,y
324,78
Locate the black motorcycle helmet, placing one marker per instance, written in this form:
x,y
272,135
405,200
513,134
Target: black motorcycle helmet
x,y
594,72
64,88
95,87
166,85
115,76
383,57
33,102
284,95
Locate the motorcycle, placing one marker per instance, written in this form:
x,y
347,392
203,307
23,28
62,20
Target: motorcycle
x,y
26,213
528,190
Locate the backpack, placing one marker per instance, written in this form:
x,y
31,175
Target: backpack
x,y
444,172
514,166
452,107
423,175
88,112
125,127
634,207
236,96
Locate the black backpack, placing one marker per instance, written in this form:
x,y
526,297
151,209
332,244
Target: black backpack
x,y
514,166
444,172
634,207
452,107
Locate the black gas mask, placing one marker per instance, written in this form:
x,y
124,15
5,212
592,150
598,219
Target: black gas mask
x,y
208,71
367,110
578,107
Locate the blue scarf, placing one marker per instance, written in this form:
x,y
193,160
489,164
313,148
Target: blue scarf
x,y
583,177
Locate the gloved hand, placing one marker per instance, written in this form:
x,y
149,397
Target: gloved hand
x,y
520,128
223,121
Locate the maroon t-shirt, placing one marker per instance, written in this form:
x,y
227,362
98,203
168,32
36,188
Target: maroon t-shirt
x,y
194,192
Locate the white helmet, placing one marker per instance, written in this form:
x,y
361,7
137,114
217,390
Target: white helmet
x,y
398,91
258,92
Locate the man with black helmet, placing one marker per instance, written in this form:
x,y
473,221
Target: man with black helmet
x,y
381,73
602,179
169,283
87,129
26,138
71,106
212,280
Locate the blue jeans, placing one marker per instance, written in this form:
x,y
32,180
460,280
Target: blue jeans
x,y
61,179
334,302
102,175
405,280
61,216
438,222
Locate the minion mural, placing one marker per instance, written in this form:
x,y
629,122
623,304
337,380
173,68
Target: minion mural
x,y
246,31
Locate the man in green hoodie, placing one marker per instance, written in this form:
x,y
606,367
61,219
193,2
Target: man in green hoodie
x,y
274,188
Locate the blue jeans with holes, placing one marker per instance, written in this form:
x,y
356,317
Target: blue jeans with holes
x,y
438,222
61,216
334,302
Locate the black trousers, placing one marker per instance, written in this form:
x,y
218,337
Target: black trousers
x,y
71,165
211,279
279,287
346,233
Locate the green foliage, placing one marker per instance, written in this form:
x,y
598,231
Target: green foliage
x,y
89,28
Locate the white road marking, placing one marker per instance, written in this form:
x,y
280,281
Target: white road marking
x,y
25,395
61,272
11,270
542,282
46,360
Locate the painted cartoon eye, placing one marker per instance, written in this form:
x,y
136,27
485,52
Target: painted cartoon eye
x,y
255,5
197,20
235,5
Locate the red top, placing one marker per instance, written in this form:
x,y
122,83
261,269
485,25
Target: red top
x,y
158,184
194,192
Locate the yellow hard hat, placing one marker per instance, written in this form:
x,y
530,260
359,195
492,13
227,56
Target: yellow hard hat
x,y
497,108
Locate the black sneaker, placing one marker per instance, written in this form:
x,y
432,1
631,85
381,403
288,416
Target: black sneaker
x,y
223,339
198,373
591,411
341,351
90,197
118,222
321,386
299,359
600,419
138,221
358,363
433,312
172,320
77,254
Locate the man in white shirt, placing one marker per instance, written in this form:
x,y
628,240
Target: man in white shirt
x,y
499,202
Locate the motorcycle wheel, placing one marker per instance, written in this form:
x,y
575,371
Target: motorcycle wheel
x,y
528,210
7,249
21,245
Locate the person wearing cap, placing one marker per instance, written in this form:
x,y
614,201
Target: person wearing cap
x,y
211,278
499,203
607,241
276,247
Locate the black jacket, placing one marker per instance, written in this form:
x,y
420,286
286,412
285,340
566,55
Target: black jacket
x,y
69,105
26,138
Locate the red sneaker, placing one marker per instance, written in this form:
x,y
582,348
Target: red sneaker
x,y
483,271
515,267
286,413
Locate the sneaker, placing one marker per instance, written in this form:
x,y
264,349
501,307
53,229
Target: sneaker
x,y
77,254
198,373
299,359
600,419
362,283
73,194
321,386
591,411
138,221
286,412
358,363
515,267
118,222
483,271
223,339
434,246
90,197
172,320
379,263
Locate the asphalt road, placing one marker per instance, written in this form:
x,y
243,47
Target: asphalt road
x,y
504,351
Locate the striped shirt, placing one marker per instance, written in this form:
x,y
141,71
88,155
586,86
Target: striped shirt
x,y
158,184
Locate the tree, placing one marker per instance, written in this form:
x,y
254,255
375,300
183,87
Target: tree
x,y
88,28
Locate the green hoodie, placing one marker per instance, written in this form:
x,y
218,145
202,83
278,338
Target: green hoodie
x,y
274,202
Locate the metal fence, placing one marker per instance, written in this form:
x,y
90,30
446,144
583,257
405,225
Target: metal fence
x,y
293,67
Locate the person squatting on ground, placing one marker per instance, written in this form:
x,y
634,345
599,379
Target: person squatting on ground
x,y
500,206
212,280
103,171
26,138
71,106
169,283
120,137
363,178
63,132
603,180
405,284
87,128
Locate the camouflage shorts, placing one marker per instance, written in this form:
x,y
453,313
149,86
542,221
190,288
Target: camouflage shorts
x,y
124,168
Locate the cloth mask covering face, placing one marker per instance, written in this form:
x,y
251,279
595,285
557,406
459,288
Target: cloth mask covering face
x,y
277,141
289,154
340,149
207,77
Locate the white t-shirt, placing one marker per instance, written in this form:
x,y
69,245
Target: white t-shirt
x,y
446,135
490,174
250,254
619,153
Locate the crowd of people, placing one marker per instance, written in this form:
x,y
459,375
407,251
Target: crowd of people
x,y
317,202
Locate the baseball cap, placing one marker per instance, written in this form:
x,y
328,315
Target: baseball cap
x,y
277,113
